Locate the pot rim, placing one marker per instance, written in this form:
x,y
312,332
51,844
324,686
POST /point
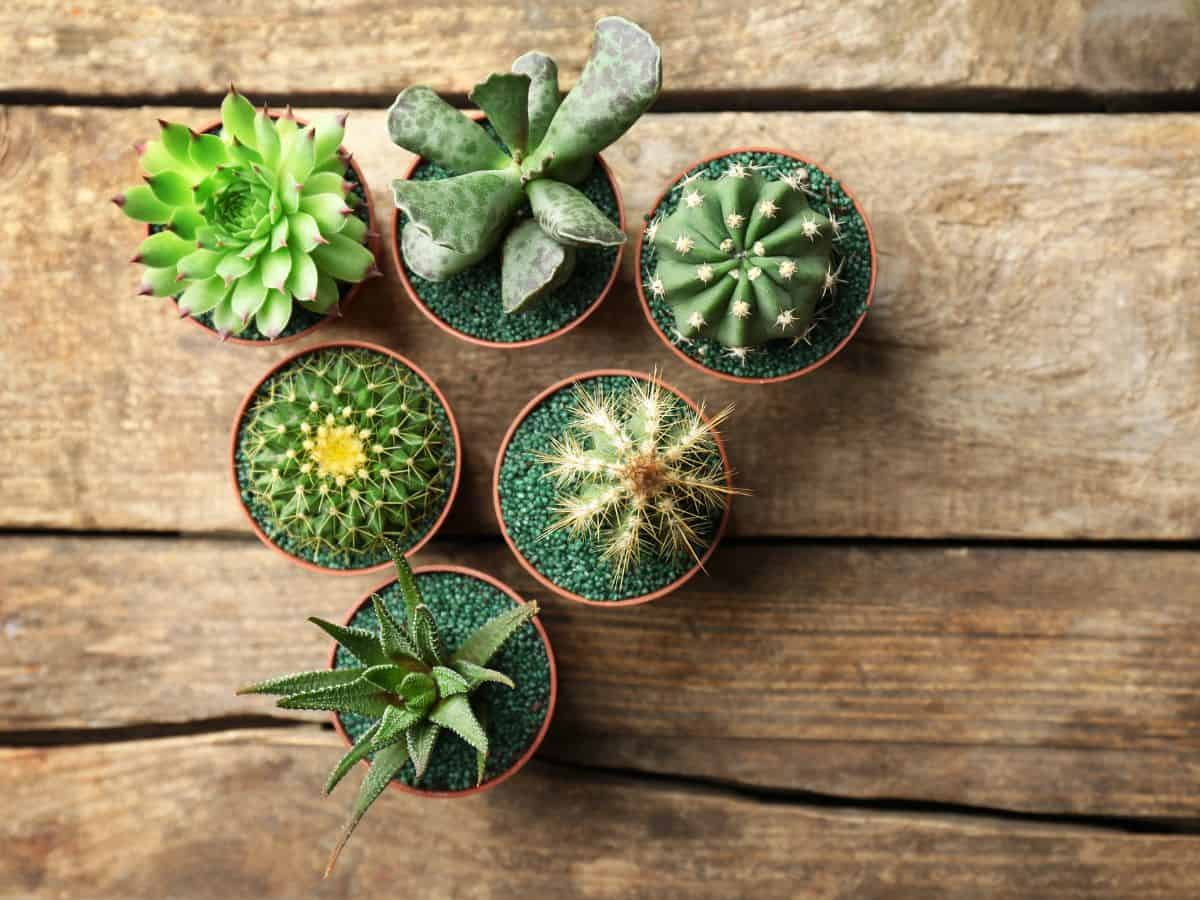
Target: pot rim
x,y
371,244
538,738
529,567
244,406
411,291
742,379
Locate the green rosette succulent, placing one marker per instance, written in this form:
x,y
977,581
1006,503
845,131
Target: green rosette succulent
x,y
743,259
548,147
408,683
249,222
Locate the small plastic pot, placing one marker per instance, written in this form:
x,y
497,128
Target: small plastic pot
x,y
372,244
244,406
530,568
538,738
788,376
410,289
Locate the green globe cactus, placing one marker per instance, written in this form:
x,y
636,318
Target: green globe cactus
x,y
344,449
743,259
638,470
408,683
548,147
249,222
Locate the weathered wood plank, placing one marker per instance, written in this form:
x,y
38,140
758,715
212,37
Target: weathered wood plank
x,y
239,814
115,48
1030,367
1041,680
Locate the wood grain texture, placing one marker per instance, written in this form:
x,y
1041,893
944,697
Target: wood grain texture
x,y
239,814
1051,681
1031,366
123,47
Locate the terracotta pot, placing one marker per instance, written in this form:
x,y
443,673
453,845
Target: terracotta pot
x,y
372,244
529,567
245,406
537,740
503,345
740,378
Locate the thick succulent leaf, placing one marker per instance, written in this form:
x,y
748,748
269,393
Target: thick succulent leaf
x,y
477,675
504,99
185,221
396,720
301,153
141,205
161,282
431,260
274,314
385,766
200,263
456,714
330,211
163,249
324,183
327,295
428,639
302,681
422,122
267,138
419,691
302,277
483,644
422,737
202,296
156,158
329,129
175,140
534,265
249,294
276,266
354,228
404,579
360,697
304,234
171,188
392,638
571,218
237,118
224,319
359,751
207,151
391,677
449,682
542,100
343,259
464,213
622,78
233,266
358,641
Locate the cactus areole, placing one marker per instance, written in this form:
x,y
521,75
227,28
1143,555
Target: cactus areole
x,y
545,149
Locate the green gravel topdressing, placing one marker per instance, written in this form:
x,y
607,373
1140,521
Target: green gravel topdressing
x,y
526,505
461,604
342,559
836,317
470,301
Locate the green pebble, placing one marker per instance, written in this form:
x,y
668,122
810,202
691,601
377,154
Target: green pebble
x,y
461,604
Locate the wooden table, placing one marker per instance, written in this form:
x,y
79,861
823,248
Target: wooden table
x,y
952,645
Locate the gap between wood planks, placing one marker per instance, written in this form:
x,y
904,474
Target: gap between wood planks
x,y
701,785
912,100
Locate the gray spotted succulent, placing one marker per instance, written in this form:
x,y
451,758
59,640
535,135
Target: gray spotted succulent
x,y
743,259
548,147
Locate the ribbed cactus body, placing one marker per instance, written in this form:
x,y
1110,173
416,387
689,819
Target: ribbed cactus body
x,y
743,259
638,470
344,448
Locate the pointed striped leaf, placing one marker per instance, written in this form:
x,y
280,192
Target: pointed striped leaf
x,y
483,644
449,682
421,738
456,714
302,681
477,675
386,766
358,752
360,642
360,697
425,633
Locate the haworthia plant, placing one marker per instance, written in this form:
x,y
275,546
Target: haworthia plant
x,y
743,259
406,681
548,147
637,471
251,221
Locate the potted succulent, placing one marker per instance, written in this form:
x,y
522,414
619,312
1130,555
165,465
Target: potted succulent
x,y
340,446
756,266
258,226
509,231
613,488
443,678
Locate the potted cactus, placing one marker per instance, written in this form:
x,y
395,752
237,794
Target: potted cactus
x,y
756,266
257,226
613,488
510,230
443,679
340,446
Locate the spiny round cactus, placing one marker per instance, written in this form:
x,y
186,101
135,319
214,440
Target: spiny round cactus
x,y
453,223
344,449
638,470
251,220
743,259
